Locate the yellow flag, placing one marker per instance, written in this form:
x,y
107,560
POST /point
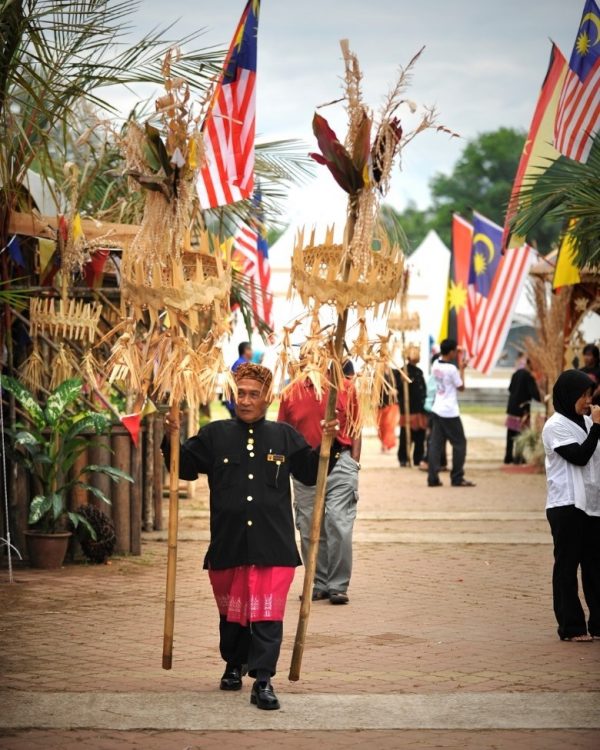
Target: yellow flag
x,y
77,228
149,407
566,272
46,251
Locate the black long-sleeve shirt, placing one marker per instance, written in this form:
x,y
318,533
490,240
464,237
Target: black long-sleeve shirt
x,y
522,390
580,453
248,468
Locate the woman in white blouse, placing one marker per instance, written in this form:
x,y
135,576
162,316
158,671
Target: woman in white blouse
x,y
570,440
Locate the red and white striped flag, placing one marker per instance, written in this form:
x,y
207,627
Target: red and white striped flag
x,y
230,123
578,114
250,250
495,312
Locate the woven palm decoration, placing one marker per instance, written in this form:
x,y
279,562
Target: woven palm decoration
x,y
66,321
176,279
364,273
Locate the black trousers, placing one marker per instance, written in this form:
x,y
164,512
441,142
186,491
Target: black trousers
x,y
576,544
418,441
450,429
443,457
509,457
257,644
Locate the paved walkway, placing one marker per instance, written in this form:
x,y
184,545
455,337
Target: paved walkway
x,y
448,641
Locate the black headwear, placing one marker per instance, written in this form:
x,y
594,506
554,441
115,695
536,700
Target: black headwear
x,y
569,388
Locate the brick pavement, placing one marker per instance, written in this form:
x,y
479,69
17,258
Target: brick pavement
x,y
422,619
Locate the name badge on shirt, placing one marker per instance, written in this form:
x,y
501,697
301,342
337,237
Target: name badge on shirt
x,y
278,458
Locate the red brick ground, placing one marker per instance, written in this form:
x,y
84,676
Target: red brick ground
x,y
422,618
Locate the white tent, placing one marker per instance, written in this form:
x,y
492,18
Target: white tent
x,y
428,282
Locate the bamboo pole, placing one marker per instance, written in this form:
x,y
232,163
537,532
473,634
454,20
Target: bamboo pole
x,y
148,474
310,565
167,659
406,398
158,474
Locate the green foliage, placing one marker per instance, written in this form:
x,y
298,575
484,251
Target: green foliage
x,y
569,193
481,180
528,444
49,447
54,54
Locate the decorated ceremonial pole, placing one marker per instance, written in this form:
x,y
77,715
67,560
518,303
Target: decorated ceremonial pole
x,y
364,273
175,288
324,456
169,626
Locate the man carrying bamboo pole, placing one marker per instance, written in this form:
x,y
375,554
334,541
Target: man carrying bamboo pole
x,y
252,554
412,409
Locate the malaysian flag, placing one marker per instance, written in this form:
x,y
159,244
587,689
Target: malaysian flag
x,y
495,285
485,256
251,253
578,114
495,311
230,123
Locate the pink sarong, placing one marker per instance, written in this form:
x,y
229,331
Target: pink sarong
x,y
250,593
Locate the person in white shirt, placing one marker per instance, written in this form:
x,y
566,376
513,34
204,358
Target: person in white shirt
x,y
449,374
571,438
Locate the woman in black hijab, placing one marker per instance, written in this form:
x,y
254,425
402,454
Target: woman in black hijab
x,y
570,440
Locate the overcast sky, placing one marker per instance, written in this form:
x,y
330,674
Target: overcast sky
x,y
482,67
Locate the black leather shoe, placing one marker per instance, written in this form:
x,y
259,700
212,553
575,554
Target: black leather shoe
x,y
338,597
232,678
262,696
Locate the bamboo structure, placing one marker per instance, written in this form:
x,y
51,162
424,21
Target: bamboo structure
x,y
175,288
363,274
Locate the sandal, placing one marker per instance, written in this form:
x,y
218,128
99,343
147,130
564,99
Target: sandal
x,y
580,638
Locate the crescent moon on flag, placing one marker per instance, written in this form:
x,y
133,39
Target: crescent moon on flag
x,y
596,21
485,240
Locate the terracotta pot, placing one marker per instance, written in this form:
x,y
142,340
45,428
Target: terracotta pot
x,y
47,551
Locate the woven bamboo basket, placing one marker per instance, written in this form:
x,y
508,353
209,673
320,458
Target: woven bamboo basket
x,y
318,274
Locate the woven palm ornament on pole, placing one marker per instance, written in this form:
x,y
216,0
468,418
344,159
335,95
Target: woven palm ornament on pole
x,y
176,280
363,273
175,288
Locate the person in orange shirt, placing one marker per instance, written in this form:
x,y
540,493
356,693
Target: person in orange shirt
x,y
304,411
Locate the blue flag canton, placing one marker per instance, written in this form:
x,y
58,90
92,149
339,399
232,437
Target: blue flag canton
x,y
587,44
243,51
485,254
258,223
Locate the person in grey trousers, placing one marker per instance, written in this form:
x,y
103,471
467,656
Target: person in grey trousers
x,y
303,410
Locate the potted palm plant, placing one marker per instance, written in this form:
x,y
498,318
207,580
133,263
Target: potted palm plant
x,y
47,446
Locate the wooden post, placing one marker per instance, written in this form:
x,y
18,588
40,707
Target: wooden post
x,y
99,453
167,659
135,493
121,513
20,508
158,473
79,495
148,474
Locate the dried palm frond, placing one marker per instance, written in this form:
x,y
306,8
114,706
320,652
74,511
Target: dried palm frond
x,y
33,370
547,350
64,366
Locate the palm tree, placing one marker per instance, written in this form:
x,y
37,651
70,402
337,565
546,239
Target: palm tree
x,y
56,57
567,191
56,53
